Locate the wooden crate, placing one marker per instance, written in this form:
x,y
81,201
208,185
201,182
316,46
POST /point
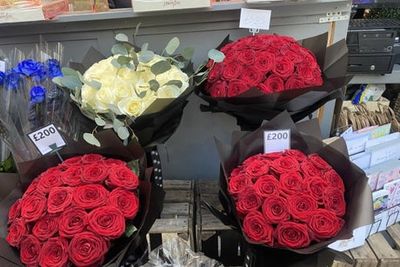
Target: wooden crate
x,y
176,217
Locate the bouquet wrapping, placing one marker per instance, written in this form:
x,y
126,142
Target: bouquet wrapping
x,y
356,210
261,77
85,193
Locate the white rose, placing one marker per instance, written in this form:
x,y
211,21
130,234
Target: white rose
x,y
101,70
104,98
168,91
173,74
88,95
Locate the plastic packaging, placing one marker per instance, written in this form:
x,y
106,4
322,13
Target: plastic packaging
x,y
175,252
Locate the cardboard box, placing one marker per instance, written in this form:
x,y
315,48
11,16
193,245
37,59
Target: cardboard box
x,y
160,5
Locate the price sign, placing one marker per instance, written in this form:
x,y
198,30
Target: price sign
x,y
47,139
276,141
255,19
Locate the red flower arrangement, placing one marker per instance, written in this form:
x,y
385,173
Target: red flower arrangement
x,y
72,212
288,199
270,63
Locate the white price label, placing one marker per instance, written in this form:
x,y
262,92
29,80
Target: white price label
x,y
47,139
255,19
2,66
276,141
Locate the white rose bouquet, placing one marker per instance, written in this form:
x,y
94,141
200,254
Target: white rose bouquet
x,y
120,91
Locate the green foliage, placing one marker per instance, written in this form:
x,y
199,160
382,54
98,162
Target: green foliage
x,y
91,139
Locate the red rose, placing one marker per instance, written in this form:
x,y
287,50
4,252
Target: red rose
x,y
293,56
48,181
126,201
114,162
248,201
294,83
91,158
290,183
301,205
266,185
324,224
283,67
309,170
275,209
72,176
258,42
265,61
252,159
107,221
305,72
45,227
238,183
334,179
33,207
236,87
265,89
218,89
59,198
285,164
30,248
319,162
318,81
257,229
87,249
256,168
228,47
275,83
297,154
237,171
334,201
54,253
74,161
316,187
124,177
72,221
251,76
15,211
16,232
90,196
272,156
214,73
94,173
231,70
292,235
32,187
246,57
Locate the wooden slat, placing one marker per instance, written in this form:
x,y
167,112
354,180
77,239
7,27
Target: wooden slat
x,y
172,210
178,196
209,187
394,232
387,256
364,256
179,225
177,184
211,223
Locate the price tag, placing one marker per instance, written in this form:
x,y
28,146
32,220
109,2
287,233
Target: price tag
x,y
47,139
2,66
276,141
255,19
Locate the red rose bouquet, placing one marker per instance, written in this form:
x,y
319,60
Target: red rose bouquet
x,y
302,199
71,213
288,199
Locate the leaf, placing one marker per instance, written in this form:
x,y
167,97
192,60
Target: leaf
x,y
146,56
121,37
135,59
172,45
115,63
69,72
99,121
58,81
119,49
142,94
216,55
94,84
115,109
123,60
154,85
117,124
71,82
123,133
91,139
145,46
160,67
188,53
130,230
175,82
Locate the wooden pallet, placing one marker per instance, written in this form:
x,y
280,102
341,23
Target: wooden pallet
x,y
176,217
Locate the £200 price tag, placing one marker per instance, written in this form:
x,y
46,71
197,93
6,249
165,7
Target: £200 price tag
x,y
47,139
276,141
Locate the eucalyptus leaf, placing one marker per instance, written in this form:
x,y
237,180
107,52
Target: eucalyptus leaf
x,y
94,84
145,47
142,94
99,121
91,139
177,83
121,37
119,49
135,59
172,45
188,53
146,56
117,124
160,67
123,60
69,72
216,55
58,81
154,85
123,133
115,63
71,82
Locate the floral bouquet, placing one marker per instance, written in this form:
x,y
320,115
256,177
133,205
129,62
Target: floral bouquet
x,y
88,210
134,91
257,77
302,199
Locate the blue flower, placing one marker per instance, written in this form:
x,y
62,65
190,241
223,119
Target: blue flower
x,y
53,67
2,78
38,94
32,68
12,80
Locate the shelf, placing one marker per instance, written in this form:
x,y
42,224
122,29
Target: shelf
x,y
393,78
